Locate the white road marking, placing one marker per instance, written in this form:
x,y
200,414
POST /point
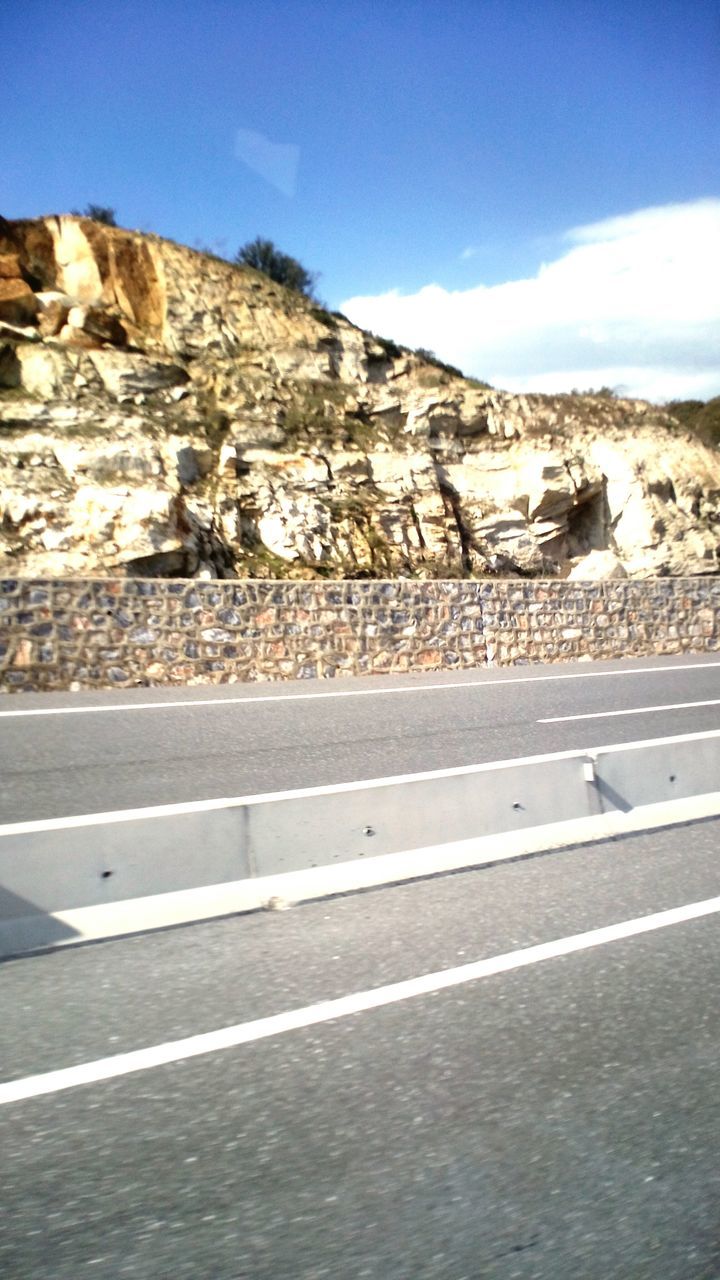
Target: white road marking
x,y
361,1002
630,711
350,693
33,825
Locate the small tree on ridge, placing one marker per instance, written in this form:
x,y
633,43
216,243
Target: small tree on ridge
x,y
98,213
264,256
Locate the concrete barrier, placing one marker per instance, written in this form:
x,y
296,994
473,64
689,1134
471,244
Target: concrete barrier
x,y
96,875
662,769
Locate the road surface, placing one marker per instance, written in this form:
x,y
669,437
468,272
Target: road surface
x,y
97,751
553,1121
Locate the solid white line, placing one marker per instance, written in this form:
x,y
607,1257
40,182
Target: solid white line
x,y
361,1002
35,825
349,693
630,711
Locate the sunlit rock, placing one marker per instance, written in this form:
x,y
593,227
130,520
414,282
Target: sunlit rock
x,y
165,412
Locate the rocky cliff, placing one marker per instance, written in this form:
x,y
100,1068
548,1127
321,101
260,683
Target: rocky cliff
x,y
164,413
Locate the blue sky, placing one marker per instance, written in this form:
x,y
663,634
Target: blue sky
x,y
392,145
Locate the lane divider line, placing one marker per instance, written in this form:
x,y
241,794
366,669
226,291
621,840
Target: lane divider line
x,y
629,711
349,693
329,1010
34,825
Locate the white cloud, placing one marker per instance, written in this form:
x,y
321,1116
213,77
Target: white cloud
x,y
469,252
276,162
634,302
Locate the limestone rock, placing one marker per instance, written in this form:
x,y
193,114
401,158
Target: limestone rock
x,y
52,318
39,370
10,266
598,566
17,301
98,323
127,374
164,412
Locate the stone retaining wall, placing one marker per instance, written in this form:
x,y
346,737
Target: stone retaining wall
x,y
95,633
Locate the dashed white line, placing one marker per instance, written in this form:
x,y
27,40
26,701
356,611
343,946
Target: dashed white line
x,y
329,1010
349,693
630,711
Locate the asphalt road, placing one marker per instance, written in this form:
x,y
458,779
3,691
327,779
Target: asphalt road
x,y
246,739
555,1122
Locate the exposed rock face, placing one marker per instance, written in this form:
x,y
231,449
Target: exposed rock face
x,y
165,413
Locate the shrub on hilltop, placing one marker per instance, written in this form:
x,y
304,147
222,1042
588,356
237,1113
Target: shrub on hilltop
x,y
264,256
98,213
699,416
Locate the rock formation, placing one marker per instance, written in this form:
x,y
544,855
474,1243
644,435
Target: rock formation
x,y
165,413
